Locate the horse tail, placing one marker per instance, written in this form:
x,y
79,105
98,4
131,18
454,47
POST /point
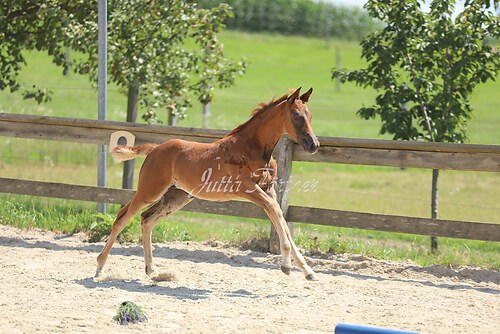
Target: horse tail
x,y
124,153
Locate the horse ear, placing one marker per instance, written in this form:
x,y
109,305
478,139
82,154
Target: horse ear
x,y
305,97
294,96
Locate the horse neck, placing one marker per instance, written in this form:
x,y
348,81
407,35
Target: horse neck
x,y
266,129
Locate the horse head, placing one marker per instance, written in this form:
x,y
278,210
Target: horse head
x,y
298,121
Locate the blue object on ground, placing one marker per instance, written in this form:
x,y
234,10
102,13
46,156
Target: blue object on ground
x,y
355,329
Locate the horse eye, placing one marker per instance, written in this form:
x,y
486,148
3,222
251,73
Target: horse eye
x,y
298,117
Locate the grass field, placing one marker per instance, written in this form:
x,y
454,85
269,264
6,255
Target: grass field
x,y
276,63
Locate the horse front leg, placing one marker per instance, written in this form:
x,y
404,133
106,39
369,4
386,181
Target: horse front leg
x,y
297,257
173,200
287,245
274,213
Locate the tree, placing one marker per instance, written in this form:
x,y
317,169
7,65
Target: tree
x,y
158,47
425,65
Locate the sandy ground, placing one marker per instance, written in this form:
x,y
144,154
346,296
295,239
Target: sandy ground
x,y
48,287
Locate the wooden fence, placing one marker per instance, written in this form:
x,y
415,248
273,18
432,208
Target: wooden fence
x,y
485,158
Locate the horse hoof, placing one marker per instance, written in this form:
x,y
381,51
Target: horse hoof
x,y
151,273
286,270
311,277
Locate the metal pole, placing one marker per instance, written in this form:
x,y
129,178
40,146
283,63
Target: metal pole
x,y
102,18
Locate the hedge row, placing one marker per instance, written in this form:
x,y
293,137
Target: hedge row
x,y
297,17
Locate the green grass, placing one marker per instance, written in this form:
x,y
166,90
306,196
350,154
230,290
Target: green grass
x,y
71,217
397,246
469,196
276,64
54,215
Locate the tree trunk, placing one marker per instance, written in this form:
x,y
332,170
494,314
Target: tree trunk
x,y
434,205
128,166
67,61
172,118
205,111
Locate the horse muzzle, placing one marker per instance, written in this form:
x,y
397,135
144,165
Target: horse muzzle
x,y
310,143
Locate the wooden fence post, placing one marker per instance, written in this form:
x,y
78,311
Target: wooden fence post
x,y
283,156
434,206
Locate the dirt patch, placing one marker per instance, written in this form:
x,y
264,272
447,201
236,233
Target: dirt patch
x,y
48,287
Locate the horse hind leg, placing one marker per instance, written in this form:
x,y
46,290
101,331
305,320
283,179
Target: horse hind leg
x,y
118,225
173,200
152,185
122,219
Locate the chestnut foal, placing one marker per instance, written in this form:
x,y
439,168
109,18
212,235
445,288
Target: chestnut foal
x,y
238,166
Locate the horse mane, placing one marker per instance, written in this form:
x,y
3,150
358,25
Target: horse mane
x,y
262,108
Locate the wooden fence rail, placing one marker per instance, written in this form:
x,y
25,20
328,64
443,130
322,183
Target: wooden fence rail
x,y
484,158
